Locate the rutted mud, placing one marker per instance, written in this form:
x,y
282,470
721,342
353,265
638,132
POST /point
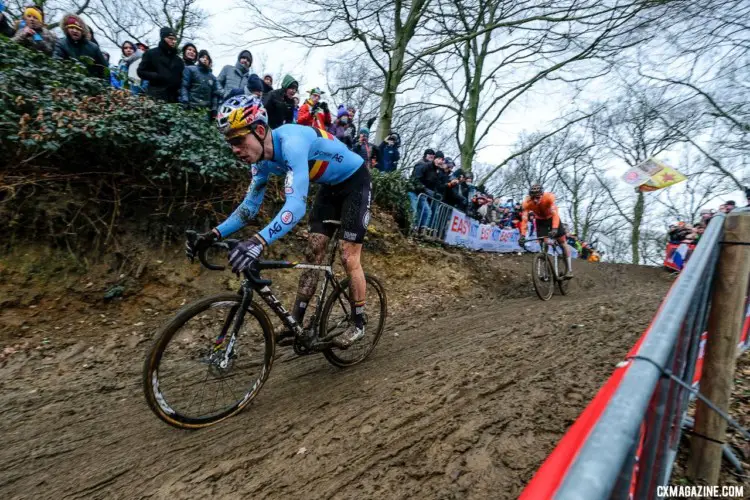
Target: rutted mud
x,y
463,398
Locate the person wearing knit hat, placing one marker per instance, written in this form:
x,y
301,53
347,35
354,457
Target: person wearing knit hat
x,y
255,85
363,147
341,127
189,54
267,84
32,33
163,68
280,103
200,88
233,79
78,46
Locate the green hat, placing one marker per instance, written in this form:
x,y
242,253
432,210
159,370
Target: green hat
x,y
364,130
316,90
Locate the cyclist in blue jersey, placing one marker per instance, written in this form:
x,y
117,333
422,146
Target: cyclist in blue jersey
x,y
303,155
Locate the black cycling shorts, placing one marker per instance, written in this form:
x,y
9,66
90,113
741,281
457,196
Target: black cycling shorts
x,y
348,202
544,226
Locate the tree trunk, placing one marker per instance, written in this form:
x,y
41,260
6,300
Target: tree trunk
x,y
467,145
390,90
636,233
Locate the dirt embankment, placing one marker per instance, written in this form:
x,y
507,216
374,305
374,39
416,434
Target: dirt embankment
x,y
473,383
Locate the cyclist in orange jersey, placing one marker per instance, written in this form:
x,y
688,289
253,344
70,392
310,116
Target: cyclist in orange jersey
x,y
547,221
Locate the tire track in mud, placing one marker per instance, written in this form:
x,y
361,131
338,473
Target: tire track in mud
x,y
465,403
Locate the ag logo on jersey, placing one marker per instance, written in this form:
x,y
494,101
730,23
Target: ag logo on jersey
x,y
254,171
287,217
366,219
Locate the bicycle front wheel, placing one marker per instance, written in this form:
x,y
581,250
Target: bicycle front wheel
x,y
542,274
337,316
196,374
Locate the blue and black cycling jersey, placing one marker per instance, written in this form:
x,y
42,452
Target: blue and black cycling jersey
x,y
304,155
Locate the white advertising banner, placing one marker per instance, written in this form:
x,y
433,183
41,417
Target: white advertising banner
x,y
463,231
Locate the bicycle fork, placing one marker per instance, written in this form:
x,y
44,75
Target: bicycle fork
x,y
239,319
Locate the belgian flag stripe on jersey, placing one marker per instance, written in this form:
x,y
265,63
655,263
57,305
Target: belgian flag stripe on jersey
x,y
317,169
325,135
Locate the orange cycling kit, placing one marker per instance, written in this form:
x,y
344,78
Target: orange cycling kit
x,y
545,213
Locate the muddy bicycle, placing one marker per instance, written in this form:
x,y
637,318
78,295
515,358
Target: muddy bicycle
x,y
216,353
545,271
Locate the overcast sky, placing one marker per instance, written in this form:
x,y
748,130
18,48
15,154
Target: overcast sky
x,y
229,27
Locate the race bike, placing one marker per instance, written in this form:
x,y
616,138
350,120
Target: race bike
x,y
212,359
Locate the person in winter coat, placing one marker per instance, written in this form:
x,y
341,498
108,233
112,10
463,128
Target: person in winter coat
x,y
363,147
127,69
427,181
77,45
388,153
341,127
32,33
234,78
267,84
200,88
296,108
5,27
189,54
163,68
280,103
255,86
314,113
456,195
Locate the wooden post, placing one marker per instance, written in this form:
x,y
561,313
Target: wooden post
x,y
724,326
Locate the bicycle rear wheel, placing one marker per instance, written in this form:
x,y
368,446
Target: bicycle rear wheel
x,y
542,274
184,381
337,316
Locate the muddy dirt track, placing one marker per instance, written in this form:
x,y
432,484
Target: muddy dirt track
x,y
464,402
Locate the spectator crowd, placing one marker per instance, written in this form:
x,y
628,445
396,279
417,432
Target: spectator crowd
x,y
683,232
185,75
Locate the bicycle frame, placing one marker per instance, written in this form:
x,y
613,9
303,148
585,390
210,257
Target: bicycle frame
x,y
557,248
253,282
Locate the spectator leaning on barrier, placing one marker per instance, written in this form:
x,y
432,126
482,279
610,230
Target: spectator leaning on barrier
x,y
163,68
427,181
233,79
77,45
255,86
455,194
313,112
189,54
32,33
200,88
388,153
280,103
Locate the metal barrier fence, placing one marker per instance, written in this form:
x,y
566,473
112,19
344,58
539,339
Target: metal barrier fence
x,y
431,216
625,442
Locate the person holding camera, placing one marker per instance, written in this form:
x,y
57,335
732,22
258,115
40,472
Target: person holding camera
x,y
313,112
388,153
31,32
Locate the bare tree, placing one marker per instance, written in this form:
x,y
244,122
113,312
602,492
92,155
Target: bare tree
x,y
138,20
477,80
631,130
53,9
